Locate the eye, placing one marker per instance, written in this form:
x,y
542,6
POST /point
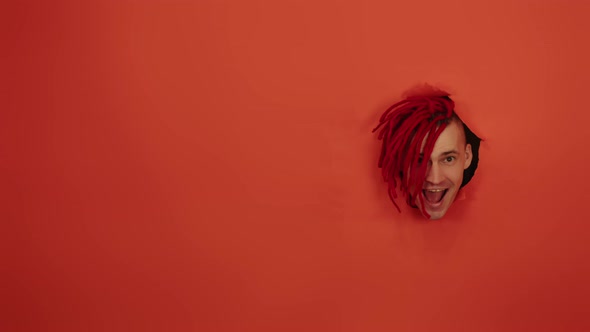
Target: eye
x,y
450,159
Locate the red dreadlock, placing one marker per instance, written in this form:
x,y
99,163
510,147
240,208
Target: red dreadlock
x,y
403,129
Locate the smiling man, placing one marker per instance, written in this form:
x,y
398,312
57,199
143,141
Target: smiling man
x,y
428,153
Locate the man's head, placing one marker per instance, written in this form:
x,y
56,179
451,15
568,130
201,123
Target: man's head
x,y
428,152
450,157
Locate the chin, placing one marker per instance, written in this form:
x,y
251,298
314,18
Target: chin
x,y
438,212
436,215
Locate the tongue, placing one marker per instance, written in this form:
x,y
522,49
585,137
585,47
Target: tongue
x,y
433,197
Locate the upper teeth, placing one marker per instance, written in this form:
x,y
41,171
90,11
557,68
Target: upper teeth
x,y
435,190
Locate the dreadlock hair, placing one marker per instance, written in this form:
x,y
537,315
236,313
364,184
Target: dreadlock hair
x,y
403,128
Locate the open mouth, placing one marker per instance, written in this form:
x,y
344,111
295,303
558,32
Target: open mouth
x,y
434,196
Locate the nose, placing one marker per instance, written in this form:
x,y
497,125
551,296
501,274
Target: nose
x,y
434,174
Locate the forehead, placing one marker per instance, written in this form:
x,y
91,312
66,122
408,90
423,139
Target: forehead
x,y
452,138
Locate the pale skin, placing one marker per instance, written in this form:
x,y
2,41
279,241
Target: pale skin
x,y
450,157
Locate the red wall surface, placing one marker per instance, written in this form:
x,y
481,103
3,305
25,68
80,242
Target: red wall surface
x,y
209,166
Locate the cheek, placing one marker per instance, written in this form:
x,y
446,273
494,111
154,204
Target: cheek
x,y
455,174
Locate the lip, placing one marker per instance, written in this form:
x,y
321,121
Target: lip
x,y
433,206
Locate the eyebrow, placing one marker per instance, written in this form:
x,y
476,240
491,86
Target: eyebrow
x,y
444,153
449,152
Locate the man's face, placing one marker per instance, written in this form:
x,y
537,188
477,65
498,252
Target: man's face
x,y
444,174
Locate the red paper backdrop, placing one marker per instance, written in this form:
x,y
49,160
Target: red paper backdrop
x,y
208,166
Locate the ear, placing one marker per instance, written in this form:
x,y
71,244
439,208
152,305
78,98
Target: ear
x,y
468,156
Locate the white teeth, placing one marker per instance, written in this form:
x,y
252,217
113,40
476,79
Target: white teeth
x,y
435,190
